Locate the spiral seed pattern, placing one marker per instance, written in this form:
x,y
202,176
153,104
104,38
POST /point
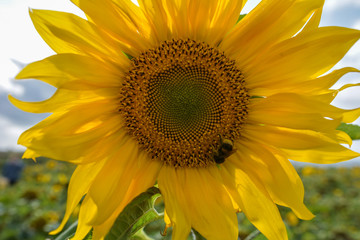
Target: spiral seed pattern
x,y
179,98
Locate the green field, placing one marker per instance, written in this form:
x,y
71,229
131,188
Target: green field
x,y
36,204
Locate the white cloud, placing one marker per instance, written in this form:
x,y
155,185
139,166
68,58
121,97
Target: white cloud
x,y
332,5
357,24
355,50
9,135
6,84
354,55
250,5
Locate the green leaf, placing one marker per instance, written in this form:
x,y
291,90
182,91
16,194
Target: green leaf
x,y
352,130
135,216
241,17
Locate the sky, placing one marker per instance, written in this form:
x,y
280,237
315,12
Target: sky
x,y
20,44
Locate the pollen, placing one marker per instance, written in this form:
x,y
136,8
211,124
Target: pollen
x,y
178,98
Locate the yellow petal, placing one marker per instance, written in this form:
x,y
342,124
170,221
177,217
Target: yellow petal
x,y
322,84
254,202
57,132
113,180
68,33
134,15
79,184
72,71
209,21
322,156
309,87
289,138
87,210
314,21
293,119
177,12
167,222
277,175
281,63
270,22
131,25
140,182
343,137
61,101
348,86
156,14
303,104
351,115
102,148
302,145
173,205
30,154
118,182
184,190
202,20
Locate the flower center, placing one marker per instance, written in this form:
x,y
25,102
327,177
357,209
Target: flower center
x,y
181,102
180,99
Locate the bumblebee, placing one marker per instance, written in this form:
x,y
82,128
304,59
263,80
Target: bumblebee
x,y
226,148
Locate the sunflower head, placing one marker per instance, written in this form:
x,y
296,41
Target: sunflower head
x,y
178,98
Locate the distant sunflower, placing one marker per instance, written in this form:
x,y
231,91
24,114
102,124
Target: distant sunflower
x,y
178,92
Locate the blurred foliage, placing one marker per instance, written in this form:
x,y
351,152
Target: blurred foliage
x,y
352,130
35,205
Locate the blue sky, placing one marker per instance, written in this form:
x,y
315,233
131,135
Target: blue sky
x,y
20,44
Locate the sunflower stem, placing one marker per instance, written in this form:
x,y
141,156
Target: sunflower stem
x,y
69,232
141,235
252,235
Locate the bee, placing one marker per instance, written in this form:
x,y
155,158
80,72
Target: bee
x,y
226,148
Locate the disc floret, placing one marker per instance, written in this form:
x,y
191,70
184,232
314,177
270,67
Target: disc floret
x,y
179,97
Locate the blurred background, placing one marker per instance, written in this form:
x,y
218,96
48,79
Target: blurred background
x,y
33,196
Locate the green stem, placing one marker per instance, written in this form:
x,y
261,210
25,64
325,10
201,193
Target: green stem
x,y
141,235
68,232
252,235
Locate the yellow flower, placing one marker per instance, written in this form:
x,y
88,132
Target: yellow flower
x,y
57,188
52,216
292,219
308,171
178,92
338,192
62,178
355,172
43,178
51,164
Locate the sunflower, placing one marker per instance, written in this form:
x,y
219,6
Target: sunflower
x,y
181,93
